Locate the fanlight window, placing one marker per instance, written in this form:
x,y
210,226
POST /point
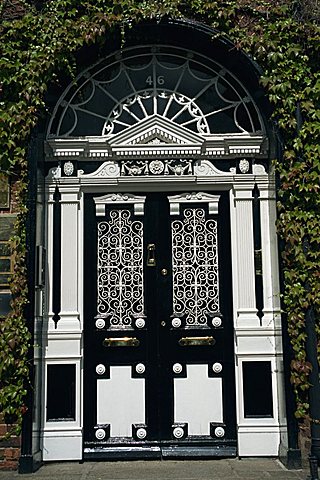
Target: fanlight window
x,y
183,87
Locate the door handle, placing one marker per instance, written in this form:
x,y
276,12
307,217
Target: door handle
x,y
151,257
121,342
194,341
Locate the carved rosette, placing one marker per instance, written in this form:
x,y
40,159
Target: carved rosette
x,y
68,168
140,368
156,167
216,322
100,323
178,432
141,433
177,368
140,323
100,434
219,432
176,322
100,369
217,367
244,166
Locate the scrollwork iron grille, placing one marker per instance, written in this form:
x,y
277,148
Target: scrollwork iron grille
x,y
195,267
120,269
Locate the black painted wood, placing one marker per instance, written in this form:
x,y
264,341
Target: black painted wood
x,y
159,345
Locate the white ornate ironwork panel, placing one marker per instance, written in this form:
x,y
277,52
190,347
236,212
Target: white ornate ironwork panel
x,y
195,267
120,269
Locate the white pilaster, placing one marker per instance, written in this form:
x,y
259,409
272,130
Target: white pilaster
x,y
50,190
269,250
246,294
69,314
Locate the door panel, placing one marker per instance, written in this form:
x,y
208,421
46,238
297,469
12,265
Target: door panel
x,y
158,336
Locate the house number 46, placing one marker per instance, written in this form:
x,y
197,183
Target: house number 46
x,y
159,80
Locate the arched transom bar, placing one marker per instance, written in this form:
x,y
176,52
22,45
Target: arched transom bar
x,y
144,100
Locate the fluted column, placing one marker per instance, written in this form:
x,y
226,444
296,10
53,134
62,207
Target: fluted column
x,y
246,292
50,190
69,314
269,250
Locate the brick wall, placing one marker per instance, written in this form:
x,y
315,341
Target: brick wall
x,y
9,447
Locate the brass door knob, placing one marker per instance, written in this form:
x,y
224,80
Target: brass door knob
x,y
164,272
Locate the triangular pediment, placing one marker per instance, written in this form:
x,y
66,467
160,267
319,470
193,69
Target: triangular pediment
x,y
156,130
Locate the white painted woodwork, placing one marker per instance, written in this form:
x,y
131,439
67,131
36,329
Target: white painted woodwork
x,y
50,189
246,297
269,247
121,401
259,441
194,197
62,445
69,314
119,199
198,400
62,440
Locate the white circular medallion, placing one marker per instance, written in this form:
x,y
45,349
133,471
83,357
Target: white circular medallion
x,y
176,322
219,432
217,367
140,323
100,434
216,322
244,166
177,368
156,167
100,369
68,168
141,433
140,368
100,323
178,432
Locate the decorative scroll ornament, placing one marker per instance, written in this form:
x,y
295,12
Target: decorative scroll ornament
x,y
178,432
244,166
100,369
177,368
219,432
68,168
176,322
157,167
120,268
140,368
100,434
195,267
217,367
216,322
141,433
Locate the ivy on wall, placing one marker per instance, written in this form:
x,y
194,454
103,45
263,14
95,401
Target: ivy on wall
x,y
38,42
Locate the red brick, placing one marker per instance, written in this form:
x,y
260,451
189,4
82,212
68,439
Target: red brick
x,y
11,453
3,429
9,465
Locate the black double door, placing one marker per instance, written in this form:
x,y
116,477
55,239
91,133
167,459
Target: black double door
x,y
158,349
